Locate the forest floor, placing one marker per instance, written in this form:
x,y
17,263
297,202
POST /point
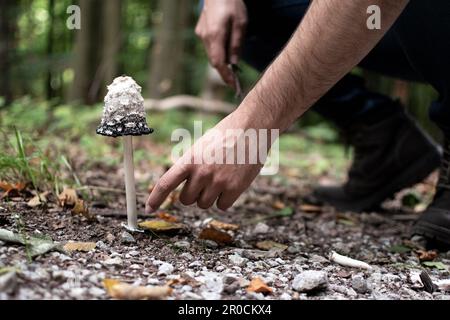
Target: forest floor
x,y
278,237
273,244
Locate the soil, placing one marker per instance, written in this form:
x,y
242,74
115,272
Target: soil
x,y
203,269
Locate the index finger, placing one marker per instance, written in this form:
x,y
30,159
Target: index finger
x,y
166,184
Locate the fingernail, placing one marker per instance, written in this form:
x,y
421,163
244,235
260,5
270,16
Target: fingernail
x,y
234,59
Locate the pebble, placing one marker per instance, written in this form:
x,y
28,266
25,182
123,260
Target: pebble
x,y
285,296
126,237
101,245
182,245
110,238
195,264
317,259
165,269
310,281
230,285
96,292
77,293
8,282
210,244
359,284
261,228
113,262
237,260
191,296
219,268
186,256
134,253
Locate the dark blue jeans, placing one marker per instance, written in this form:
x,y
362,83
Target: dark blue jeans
x,y
417,48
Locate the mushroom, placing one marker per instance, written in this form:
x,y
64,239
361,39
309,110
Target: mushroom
x,y
124,116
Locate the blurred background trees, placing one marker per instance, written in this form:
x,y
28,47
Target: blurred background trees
x,y
152,40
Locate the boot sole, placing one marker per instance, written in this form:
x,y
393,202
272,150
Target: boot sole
x,y
432,232
413,174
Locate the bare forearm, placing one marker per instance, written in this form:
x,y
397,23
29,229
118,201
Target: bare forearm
x,y
330,41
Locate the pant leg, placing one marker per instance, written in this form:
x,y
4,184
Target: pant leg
x,y
271,24
423,31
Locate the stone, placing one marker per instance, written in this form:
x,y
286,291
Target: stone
x,y
310,280
110,238
186,256
359,284
126,237
113,262
165,269
182,245
285,296
261,228
77,293
230,285
96,292
237,260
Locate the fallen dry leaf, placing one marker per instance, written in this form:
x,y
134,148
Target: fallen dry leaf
x,y
67,198
271,245
124,291
158,225
38,200
11,188
310,208
258,286
79,246
278,205
216,235
166,217
427,255
223,225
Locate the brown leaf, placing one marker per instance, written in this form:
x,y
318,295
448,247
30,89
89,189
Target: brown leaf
x,y
11,188
79,246
166,217
258,286
216,235
68,198
82,209
223,225
157,225
278,205
38,200
427,255
271,245
124,291
310,208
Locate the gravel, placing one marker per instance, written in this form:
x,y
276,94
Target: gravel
x,y
310,280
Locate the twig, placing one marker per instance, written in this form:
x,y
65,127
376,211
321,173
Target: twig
x,y
186,101
348,262
106,189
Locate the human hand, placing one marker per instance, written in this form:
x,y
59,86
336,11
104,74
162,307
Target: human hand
x,y
215,167
221,27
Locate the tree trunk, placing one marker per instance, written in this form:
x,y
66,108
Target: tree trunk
x,y
8,13
166,61
112,41
87,53
50,48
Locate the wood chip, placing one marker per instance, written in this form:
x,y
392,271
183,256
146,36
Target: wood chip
x,y
124,291
259,286
216,235
223,225
79,246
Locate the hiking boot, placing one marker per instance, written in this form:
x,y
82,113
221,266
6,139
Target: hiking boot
x,y
434,224
389,155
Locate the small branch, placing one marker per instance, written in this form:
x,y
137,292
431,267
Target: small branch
x,y
190,102
106,189
348,262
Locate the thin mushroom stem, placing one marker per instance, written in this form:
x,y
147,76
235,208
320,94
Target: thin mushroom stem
x,y
130,187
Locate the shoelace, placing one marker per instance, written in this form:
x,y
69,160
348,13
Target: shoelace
x,y
444,174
